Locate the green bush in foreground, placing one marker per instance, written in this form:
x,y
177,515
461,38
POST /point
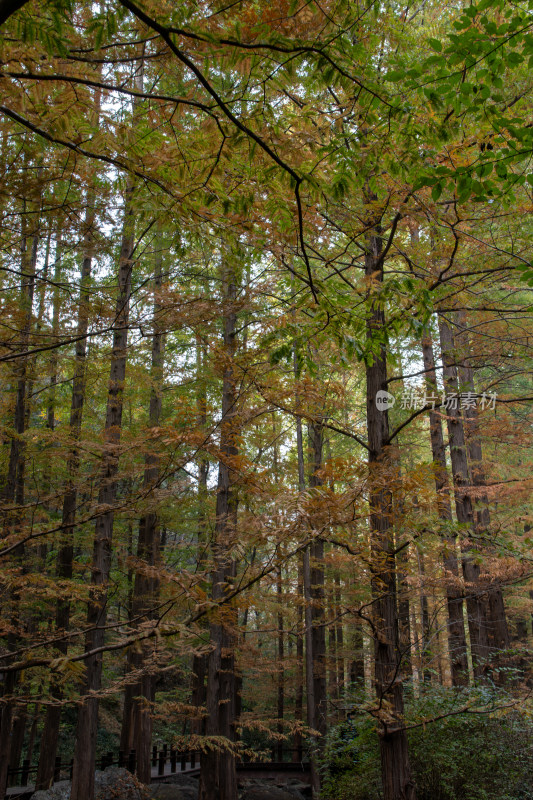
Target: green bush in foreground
x,y
485,754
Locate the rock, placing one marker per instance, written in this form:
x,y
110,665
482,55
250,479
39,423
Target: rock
x,y
116,783
111,784
167,791
59,791
180,780
258,792
175,787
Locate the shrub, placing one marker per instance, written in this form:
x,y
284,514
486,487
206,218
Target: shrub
x,y
480,755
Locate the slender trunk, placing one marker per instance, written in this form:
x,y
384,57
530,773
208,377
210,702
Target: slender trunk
x,y
33,732
53,365
199,663
308,616
498,631
395,769
281,669
303,626
425,627
14,486
340,635
454,591
318,596
309,682
476,608
17,738
146,586
299,698
50,734
404,611
218,776
333,688
85,748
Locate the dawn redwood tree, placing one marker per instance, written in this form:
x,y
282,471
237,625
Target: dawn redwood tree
x,y
498,631
51,728
395,768
85,750
140,695
200,659
218,776
477,610
317,590
14,487
454,591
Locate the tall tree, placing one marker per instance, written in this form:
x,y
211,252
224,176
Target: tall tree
x,y
454,592
218,776
395,768
140,695
85,750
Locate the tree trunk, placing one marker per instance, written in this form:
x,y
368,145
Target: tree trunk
x,y
218,776
85,748
14,486
17,737
318,597
475,604
199,663
395,769
50,734
137,727
340,635
299,698
307,597
281,668
309,672
498,631
454,591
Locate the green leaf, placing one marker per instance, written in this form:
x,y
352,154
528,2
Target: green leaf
x,y
436,191
395,75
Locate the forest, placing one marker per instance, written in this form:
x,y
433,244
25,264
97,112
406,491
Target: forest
x,y
266,369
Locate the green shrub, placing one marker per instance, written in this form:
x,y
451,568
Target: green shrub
x,y
480,755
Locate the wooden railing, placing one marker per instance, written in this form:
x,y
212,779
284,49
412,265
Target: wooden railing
x,y
177,759
168,755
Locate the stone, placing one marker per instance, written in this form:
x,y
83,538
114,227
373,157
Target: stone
x,y
167,791
111,784
175,787
116,783
59,791
266,792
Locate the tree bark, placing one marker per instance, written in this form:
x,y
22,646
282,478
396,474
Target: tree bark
x,y
498,631
454,591
140,695
218,776
317,592
281,667
395,769
199,663
50,734
85,748
14,486
476,607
